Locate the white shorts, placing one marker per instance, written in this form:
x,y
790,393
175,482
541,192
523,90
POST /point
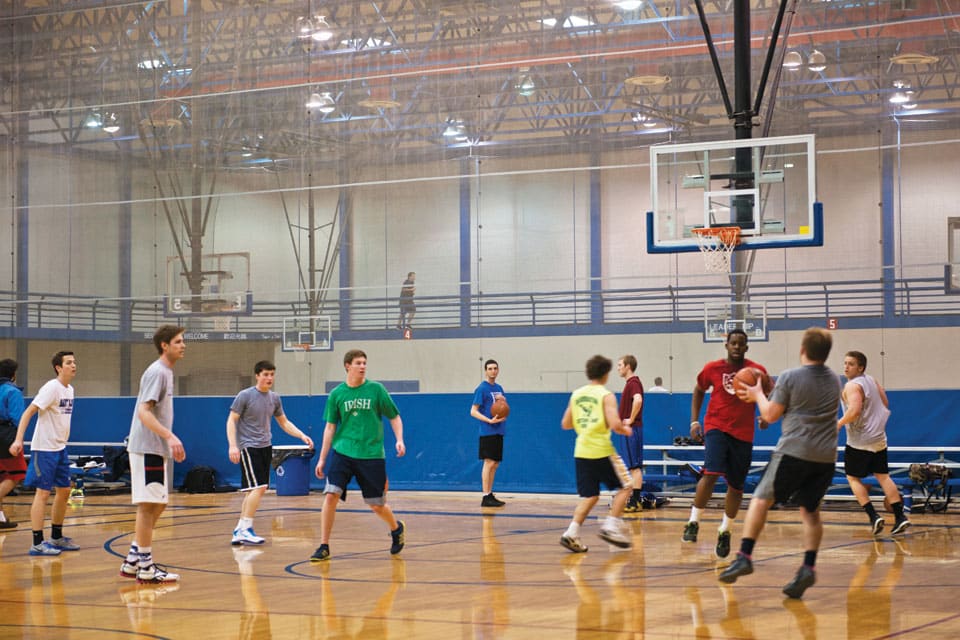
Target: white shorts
x,y
149,477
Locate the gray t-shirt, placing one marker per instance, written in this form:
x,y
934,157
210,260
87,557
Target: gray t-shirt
x,y
255,409
811,397
156,384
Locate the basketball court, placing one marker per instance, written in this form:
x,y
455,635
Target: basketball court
x,y
471,573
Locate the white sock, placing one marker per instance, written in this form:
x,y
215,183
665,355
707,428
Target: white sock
x,y
573,531
613,524
133,556
725,524
145,556
245,523
695,514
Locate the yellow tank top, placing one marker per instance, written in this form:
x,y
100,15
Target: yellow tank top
x,y
593,435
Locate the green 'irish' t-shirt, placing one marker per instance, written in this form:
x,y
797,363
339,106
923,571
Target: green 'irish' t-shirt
x,y
358,413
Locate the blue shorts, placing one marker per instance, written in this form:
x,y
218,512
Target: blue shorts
x,y
591,472
371,475
48,469
726,456
631,447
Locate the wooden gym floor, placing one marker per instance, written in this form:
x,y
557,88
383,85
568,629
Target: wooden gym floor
x,y
470,573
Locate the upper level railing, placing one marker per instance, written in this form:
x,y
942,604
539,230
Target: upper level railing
x,y
919,298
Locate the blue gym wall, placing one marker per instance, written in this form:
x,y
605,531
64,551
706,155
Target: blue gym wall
x,y
441,437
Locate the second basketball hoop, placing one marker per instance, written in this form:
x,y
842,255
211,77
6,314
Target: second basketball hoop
x,y
717,245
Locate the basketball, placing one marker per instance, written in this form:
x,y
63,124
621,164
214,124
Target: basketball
x,y
500,408
748,376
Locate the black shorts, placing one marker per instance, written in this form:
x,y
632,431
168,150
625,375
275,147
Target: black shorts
x,y
591,472
491,448
727,456
860,464
791,479
255,467
371,475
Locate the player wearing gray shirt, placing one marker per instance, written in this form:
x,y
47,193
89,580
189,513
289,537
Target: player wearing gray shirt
x,y
249,441
802,465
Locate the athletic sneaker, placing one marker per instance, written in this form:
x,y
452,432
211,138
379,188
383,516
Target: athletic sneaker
x,y
246,536
877,525
804,579
723,544
690,531
900,527
6,524
633,507
155,574
322,553
64,544
44,549
741,566
398,538
491,500
616,538
573,544
128,569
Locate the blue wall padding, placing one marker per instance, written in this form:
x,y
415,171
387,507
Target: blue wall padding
x,y
441,437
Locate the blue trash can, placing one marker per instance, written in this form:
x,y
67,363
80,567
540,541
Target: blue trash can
x,y
292,463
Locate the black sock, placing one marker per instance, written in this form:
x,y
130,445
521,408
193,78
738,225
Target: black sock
x,y
56,531
810,558
871,512
746,546
897,510
37,537
637,496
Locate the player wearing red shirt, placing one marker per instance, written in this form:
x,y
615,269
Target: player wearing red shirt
x,y
727,435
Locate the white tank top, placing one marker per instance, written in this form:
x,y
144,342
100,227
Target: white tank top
x,y
869,431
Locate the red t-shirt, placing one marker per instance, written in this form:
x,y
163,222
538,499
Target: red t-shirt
x,y
725,410
630,389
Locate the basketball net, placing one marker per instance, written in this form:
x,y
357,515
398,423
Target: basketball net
x,y
717,245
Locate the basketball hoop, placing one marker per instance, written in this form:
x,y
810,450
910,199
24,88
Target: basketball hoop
x,y
717,245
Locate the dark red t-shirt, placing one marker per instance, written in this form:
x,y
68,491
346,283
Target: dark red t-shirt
x,y
725,410
630,389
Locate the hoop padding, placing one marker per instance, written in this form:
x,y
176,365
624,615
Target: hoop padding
x,y
717,245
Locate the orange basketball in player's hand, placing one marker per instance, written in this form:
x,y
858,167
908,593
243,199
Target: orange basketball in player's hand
x,y
748,376
500,408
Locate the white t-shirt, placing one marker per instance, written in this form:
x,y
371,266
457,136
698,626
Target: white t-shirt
x,y
55,404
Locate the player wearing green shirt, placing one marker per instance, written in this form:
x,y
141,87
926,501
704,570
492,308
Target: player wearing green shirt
x,y
353,442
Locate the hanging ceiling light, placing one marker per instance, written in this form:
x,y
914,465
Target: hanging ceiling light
x,y
322,102
817,61
321,29
903,94
525,85
93,120
454,130
793,60
111,124
629,5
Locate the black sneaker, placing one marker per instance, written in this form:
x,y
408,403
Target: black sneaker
x,y
723,544
490,500
690,531
877,525
6,524
322,553
397,535
804,579
742,566
900,527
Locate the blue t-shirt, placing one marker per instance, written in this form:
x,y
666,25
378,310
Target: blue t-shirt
x,y
483,397
11,401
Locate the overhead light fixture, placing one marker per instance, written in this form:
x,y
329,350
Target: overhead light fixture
x,y
316,28
454,130
647,80
817,61
914,58
629,5
322,102
571,22
93,120
793,60
525,85
150,63
111,123
903,94
643,120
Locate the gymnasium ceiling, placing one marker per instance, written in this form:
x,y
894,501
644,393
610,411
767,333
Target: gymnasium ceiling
x,y
225,83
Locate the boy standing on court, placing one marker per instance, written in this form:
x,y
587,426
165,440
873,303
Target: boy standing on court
x,y
492,430
153,447
865,413
727,435
13,468
49,464
801,466
592,413
250,443
353,440
631,414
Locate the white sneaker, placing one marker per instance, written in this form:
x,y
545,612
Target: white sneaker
x,y
616,538
155,574
129,569
246,536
